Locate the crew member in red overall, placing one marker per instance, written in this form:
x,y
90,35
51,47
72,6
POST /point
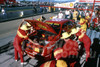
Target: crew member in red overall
x,y
83,38
70,48
21,35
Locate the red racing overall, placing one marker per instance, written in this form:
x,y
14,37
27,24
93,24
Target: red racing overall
x,y
86,40
17,43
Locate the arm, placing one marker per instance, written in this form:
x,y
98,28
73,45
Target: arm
x,y
33,42
21,23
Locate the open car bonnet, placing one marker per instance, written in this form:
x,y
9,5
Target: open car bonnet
x,y
40,25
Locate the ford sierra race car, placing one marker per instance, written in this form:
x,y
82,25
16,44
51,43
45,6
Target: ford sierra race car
x,y
47,34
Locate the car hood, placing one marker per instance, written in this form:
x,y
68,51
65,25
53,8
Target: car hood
x,y
40,25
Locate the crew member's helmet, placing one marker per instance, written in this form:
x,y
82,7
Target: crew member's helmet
x,y
74,30
61,63
65,35
24,27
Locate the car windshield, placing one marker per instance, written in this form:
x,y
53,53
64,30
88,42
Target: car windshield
x,y
68,26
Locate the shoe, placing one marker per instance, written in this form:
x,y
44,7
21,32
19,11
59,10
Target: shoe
x,y
23,63
16,60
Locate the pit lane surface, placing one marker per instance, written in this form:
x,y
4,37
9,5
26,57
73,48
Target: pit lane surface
x,y
7,33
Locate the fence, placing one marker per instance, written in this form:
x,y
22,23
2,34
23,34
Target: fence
x,y
20,12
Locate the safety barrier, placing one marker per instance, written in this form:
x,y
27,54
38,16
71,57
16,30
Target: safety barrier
x,y
93,34
15,13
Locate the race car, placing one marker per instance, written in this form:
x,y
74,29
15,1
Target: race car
x,y
46,35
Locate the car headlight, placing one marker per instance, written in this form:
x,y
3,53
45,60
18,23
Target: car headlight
x,y
36,49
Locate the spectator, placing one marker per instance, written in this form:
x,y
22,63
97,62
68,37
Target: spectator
x,y
67,14
35,10
71,14
3,11
4,15
60,15
75,14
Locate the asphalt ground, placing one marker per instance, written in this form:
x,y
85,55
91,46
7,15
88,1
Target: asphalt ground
x,y
7,33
